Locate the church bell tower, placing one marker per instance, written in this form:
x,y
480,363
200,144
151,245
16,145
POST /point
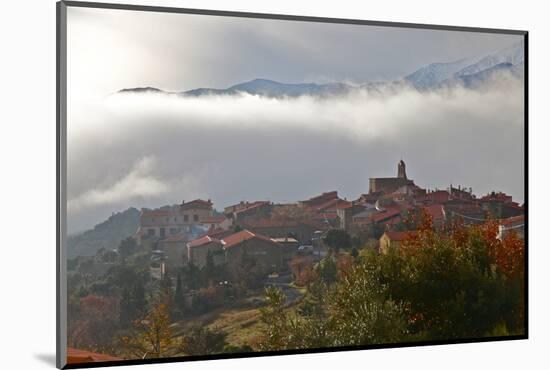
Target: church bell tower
x,y
401,170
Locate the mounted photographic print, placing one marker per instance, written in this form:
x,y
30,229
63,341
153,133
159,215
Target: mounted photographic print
x,y
238,184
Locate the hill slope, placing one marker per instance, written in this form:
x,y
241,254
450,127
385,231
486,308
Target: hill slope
x,y
107,234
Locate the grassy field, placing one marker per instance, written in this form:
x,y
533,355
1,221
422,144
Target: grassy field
x,y
241,325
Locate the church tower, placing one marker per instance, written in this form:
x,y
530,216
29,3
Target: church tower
x,y
401,170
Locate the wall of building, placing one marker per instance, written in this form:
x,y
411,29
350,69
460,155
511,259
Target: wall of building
x,y
176,254
197,255
267,254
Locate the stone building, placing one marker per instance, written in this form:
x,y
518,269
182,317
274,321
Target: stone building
x,y
161,223
266,252
394,240
390,184
175,251
198,250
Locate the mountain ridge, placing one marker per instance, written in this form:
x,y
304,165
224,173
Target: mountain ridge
x,y
433,75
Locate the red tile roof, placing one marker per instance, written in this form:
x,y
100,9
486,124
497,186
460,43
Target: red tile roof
x,y
438,196
399,235
332,205
244,235
436,211
197,203
344,204
77,356
385,215
251,206
203,241
320,199
218,233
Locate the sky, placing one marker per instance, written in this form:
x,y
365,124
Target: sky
x,y
147,151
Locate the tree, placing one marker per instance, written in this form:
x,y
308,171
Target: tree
x,y
275,320
327,270
313,304
132,303
96,324
209,269
126,308
337,239
191,276
249,271
127,247
302,270
152,335
179,298
362,313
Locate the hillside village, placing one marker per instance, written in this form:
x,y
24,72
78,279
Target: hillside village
x,y
274,233
223,282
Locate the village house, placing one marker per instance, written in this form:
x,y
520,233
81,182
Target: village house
x,y
217,222
198,250
500,205
393,240
175,251
266,252
196,211
281,227
161,223
289,248
347,213
243,211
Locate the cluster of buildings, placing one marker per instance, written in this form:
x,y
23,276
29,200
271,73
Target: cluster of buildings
x,y
272,233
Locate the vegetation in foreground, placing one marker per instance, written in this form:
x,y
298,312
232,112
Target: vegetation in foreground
x,y
457,282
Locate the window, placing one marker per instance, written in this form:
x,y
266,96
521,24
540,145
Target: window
x,y
196,218
151,232
185,218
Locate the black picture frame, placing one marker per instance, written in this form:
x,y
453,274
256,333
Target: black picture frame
x,y
61,167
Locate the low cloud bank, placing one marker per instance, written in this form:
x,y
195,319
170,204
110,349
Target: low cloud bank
x,y
153,149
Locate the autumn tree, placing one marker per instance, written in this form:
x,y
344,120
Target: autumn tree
x,y
96,324
152,335
302,270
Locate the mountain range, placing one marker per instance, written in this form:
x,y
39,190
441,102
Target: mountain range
x,y
469,72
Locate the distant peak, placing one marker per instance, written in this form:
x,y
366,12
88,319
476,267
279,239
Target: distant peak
x,y
142,90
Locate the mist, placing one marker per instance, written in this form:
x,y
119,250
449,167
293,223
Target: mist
x,y
148,150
